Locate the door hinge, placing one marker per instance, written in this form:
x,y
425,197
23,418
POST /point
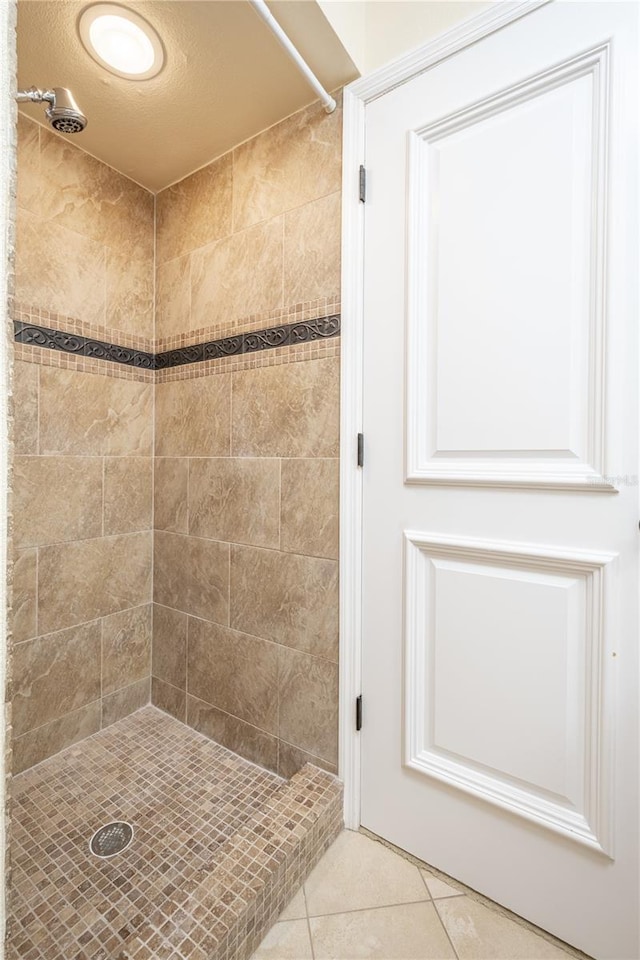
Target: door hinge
x,y
363,183
359,712
361,449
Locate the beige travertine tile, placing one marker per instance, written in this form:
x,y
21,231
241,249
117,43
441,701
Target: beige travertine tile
x,y
44,741
129,303
478,933
285,598
170,646
56,498
235,734
87,196
238,275
23,608
168,698
312,250
28,165
128,498
234,672
295,161
290,410
111,417
287,940
358,873
54,675
310,512
126,648
291,759
195,211
193,417
25,407
92,578
170,493
296,909
173,297
192,575
59,270
235,499
411,931
438,888
125,701
308,680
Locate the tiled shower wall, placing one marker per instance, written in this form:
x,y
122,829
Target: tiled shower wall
x,y
246,470
82,484
245,620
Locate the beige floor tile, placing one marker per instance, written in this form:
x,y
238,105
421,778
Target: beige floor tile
x,y
297,908
410,931
479,933
357,873
438,888
286,941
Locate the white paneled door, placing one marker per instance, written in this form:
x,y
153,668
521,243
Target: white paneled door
x,y
500,576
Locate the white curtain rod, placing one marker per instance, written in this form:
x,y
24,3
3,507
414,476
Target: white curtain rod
x,y
262,9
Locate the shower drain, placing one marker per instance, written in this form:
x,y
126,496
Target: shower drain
x,y
111,839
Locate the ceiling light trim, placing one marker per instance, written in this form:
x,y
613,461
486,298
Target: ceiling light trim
x,y
98,20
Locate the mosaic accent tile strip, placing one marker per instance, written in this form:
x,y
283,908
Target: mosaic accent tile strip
x,y
70,361
219,848
315,350
31,315
291,334
294,313
51,339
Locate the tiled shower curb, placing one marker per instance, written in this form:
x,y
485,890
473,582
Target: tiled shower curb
x,y
253,877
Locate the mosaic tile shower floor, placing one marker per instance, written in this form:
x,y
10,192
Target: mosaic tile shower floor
x,y
185,796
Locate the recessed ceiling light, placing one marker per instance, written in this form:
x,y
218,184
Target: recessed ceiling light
x,y
121,41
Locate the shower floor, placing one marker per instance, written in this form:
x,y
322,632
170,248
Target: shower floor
x,y
183,794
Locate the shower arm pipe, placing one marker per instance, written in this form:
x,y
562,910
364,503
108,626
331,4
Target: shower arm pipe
x,y
263,11
34,95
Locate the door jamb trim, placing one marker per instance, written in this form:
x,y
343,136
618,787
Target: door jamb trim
x,y
356,97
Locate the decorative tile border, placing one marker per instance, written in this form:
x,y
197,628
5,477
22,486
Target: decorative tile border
x,y
315,350
289,334
50,339
253,342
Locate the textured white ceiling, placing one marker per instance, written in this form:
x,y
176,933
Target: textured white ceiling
x,y
225,79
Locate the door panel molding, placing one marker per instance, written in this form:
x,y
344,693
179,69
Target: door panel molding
x,y
578,650
553,436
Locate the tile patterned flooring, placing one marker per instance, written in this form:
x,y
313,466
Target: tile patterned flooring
x,y
185,796
363,900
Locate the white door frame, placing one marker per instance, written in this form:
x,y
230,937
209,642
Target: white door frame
x,y
356,97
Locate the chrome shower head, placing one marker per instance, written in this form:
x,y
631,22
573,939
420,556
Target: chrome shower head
x,y
63,112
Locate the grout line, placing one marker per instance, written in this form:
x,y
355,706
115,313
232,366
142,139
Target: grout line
x,y
101,670
253,636
37,594
425,883
443,925
83,623
186,664
306,910
188,459
104,485
382,906
280,504
38,368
